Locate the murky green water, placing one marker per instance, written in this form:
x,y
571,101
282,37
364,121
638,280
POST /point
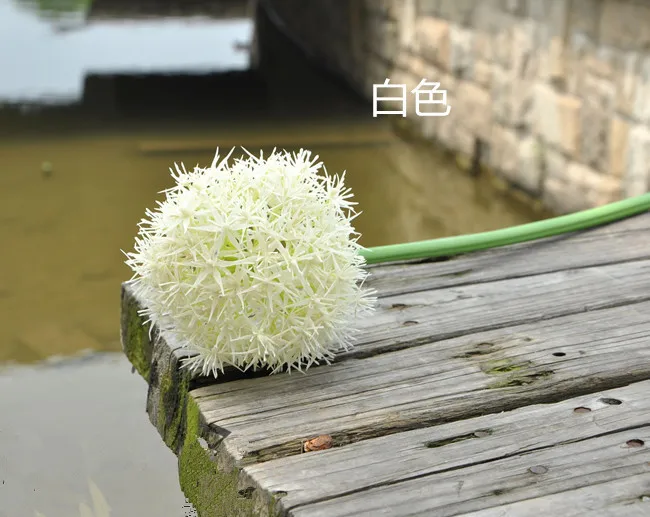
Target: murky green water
x,y
76,177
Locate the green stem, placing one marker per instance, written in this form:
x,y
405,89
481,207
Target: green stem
x,y
449,246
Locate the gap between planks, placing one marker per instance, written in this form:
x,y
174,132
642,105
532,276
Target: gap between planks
x,y
447,380
480,465
462,310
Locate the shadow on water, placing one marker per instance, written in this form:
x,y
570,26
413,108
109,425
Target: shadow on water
x,y
93,111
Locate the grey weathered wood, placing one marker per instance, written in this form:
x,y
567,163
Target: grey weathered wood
x,y
410,319
618,242
453,446
443,381
620,498
569,466
476,336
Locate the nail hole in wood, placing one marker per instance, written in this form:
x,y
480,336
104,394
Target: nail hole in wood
x,y
611,402
399,306
635,443
581,410
409,323
559,354
538,469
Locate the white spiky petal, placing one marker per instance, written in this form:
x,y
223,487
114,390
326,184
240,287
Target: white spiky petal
x,y
253,265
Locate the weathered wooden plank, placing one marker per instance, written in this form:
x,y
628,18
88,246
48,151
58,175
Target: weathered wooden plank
x,y
387,460
567,466
617,242
611,339
430,384
410,319
627,497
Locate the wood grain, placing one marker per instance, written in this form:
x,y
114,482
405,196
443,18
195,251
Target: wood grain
x,y
451,448
622,241
564,467
444,381
465,377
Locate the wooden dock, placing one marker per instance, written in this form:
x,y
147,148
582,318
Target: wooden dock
x,y
513,382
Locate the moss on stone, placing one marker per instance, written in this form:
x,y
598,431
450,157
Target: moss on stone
x,y
135,336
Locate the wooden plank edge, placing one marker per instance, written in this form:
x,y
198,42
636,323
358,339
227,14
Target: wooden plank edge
x,y
134,334
208,479
207,472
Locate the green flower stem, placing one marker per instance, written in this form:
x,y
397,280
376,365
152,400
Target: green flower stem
x,y
449,246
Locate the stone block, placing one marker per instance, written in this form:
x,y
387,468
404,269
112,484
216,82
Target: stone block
x,y
432,40
458,11
552,16
517,158
556,118
626,81
524,55
461,57
482,73
418,67
594,141
450,131
577,52
406,24
474,108
502,50
625,25
503,151
599,91
516,7
501,91
483,46
465,140
522,104
618,146
636,179
553,13
584,17
530,170
428,7
555,163
512,99
579,189
383,40
641,106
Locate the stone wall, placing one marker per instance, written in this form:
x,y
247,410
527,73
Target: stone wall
x,y
551,95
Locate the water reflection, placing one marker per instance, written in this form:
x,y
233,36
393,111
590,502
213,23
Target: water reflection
x,y
50,65
67,423
57,9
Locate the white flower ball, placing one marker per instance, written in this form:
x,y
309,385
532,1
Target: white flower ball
x,y
253,265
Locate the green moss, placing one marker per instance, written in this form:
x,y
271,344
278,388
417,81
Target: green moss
x,y
501,366
135,338
519,380
174,388
213,493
